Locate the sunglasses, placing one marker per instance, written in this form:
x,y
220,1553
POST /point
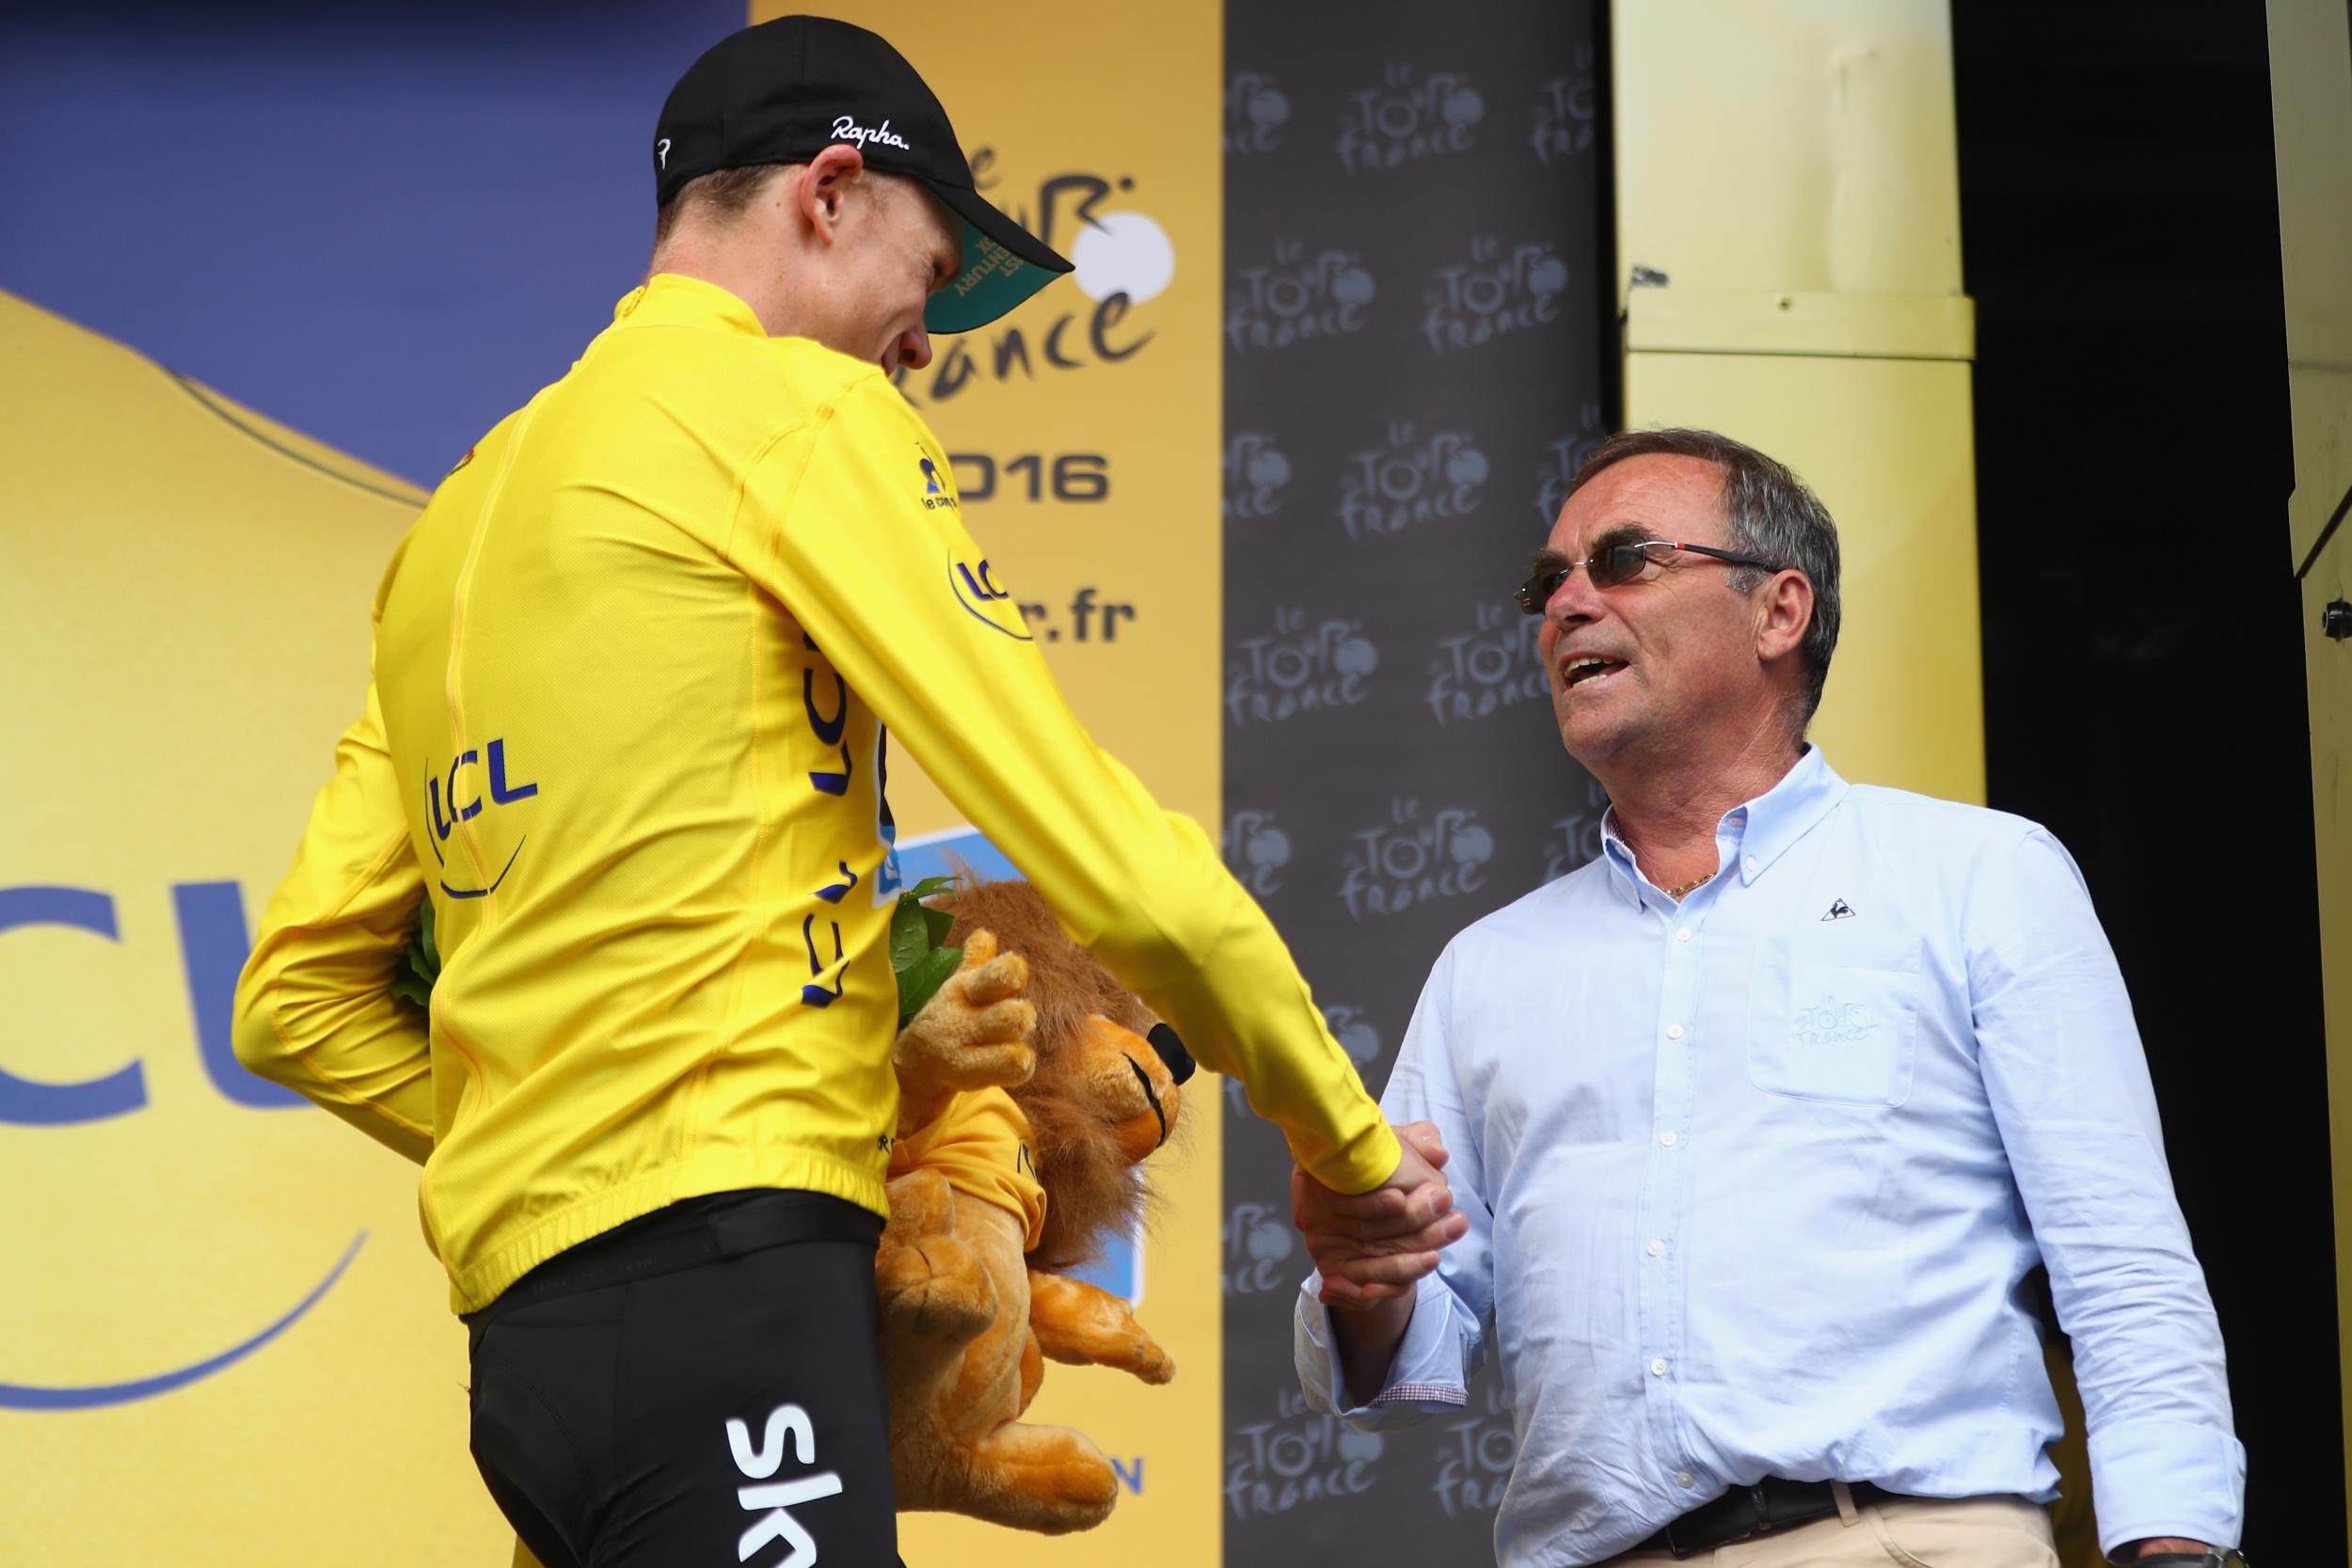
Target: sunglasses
x,y
1616,564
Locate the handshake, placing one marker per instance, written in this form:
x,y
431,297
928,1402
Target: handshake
x,y
1371,1247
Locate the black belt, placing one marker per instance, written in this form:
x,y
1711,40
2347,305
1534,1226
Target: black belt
x,y
686,1234
1745,1512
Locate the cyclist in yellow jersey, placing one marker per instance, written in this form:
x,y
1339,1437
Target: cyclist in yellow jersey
x,y
633,667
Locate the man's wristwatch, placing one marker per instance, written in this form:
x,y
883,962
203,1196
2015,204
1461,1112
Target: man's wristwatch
x,y
2220,1556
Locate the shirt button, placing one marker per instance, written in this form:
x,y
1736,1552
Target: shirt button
x,y
1668,1139
1657,1367
1657,1249
1683,1477
1748,865
1683,934
1673,1031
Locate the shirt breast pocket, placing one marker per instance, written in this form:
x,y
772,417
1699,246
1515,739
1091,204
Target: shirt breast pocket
x,y
1840,1027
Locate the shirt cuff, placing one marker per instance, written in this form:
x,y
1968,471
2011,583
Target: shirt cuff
x,y
2167,1478
1426,1375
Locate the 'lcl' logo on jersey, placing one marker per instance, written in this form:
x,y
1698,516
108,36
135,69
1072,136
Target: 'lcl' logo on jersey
x,y
502,792
777,1523
977,589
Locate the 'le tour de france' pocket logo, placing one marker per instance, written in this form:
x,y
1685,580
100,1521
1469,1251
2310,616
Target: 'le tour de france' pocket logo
x,y
1850,1038
1832,1020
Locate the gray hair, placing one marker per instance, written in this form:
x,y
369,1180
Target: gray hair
x,y
1769,513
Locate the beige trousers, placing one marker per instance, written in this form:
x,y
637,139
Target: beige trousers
x,y
1970,1532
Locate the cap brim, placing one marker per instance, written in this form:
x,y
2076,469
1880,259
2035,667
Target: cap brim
x,y
1002,264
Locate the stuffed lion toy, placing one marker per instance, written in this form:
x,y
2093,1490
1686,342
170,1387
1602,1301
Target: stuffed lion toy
x,y
968,1275
1030,1087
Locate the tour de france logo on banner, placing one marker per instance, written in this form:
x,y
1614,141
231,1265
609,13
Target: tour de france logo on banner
x,y
1081,434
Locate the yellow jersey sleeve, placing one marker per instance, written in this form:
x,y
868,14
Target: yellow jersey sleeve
x,y
852,521
314,1009
980,1143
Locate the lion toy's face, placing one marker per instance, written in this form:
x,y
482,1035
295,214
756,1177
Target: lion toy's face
x,y
1127,1081
1105,1093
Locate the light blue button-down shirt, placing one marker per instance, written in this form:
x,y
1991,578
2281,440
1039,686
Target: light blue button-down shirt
x,y
1752,1179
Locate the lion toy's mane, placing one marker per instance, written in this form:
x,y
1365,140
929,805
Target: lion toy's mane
x,y
1095,1196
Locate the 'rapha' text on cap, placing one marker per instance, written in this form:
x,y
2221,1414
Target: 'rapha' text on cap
x,y
783,91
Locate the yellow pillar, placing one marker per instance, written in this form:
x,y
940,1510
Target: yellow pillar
x,y
1788,258
2311,85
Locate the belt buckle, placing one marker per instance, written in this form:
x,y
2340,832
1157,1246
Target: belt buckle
x,y
1761,1525
1694,1548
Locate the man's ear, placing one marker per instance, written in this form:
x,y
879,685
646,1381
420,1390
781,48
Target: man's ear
x,y
1784,611
824,187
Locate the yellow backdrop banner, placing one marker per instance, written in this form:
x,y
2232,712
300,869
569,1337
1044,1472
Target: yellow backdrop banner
x,y
222,1339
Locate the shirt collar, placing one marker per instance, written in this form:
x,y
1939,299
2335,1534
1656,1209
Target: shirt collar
x,y
1758,832
1788,810
673,299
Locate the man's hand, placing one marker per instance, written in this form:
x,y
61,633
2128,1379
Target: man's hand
x,y
1370,1247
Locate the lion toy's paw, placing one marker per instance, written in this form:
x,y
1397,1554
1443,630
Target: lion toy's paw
x,y
935,1289
1079,1325
973,1034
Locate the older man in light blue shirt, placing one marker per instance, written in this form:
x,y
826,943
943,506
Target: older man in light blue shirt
x,y
1759,1120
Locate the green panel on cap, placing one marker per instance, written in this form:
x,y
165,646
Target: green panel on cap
x,y
993,281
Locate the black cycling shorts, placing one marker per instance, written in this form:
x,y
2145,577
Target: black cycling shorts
x,y
700,1386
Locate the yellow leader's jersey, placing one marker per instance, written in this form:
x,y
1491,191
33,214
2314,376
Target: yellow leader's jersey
x,y
631,672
